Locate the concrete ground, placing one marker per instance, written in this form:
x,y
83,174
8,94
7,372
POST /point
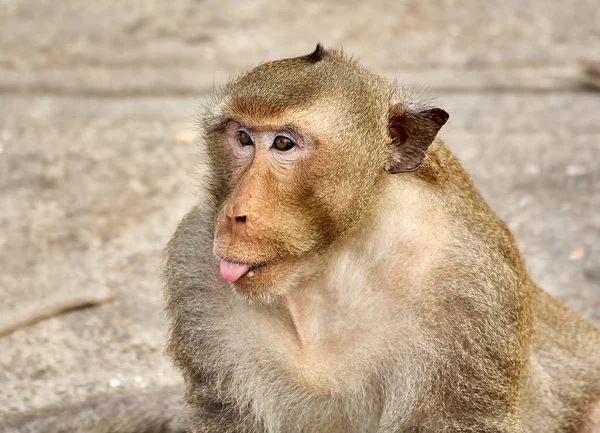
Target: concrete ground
x,y
98,102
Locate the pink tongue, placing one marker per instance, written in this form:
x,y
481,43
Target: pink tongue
x,y
232,272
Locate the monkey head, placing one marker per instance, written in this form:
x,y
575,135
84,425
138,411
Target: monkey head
x,y
298,149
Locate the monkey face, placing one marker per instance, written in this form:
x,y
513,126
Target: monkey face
x,y
287,202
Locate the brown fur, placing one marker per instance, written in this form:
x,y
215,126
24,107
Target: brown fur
x,y
388,303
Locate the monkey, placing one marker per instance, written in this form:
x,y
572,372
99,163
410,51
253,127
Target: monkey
x,y
341,273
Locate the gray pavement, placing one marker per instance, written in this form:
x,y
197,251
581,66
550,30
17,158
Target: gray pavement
x,y
97,101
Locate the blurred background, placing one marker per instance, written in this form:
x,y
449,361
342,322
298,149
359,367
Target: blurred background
x,y
98,104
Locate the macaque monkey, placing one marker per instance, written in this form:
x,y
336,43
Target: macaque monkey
x,y
342,275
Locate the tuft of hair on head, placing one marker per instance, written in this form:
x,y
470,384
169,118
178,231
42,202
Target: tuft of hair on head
x,y
318,54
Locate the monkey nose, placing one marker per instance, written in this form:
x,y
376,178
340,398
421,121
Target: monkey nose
x,y
235,214
238,226
236,222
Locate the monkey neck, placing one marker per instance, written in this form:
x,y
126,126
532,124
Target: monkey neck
x,y
358,276
290,315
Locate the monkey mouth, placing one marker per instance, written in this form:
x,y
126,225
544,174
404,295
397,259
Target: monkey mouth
x,y
233,271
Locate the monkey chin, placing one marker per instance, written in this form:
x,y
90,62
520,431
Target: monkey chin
x,y
265,284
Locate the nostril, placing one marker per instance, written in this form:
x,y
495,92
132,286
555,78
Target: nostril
x,y
240,219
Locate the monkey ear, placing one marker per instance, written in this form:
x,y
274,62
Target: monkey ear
x,y
412,132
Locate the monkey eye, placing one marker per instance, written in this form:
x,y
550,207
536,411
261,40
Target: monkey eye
x,y
245,139
283,143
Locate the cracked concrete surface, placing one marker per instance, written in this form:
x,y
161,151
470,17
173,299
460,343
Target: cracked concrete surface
x,y
95,98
